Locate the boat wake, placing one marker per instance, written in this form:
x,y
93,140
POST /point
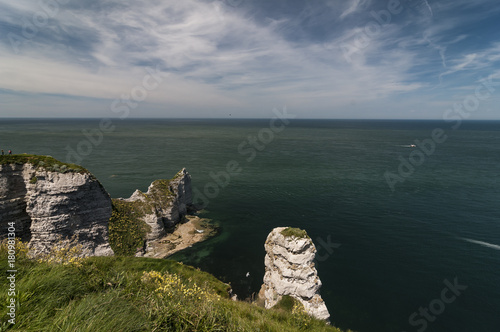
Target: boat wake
x,y
484,244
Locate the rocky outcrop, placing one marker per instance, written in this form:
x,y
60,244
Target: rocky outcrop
x,y
49,201
290,271
164,205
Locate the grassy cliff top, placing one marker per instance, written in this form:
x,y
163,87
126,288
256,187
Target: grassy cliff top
x,y
46,162
295,232
135,294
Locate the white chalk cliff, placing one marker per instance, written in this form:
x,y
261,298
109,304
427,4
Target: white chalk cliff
x,y
46,202
290,271
164,205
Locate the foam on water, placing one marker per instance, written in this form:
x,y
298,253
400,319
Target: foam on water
x,y
482,243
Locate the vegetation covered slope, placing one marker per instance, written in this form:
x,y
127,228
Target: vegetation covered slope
x,y
127,231
46,162
295,232
133,294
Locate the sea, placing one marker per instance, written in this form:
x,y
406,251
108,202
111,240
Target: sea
x,y
404,214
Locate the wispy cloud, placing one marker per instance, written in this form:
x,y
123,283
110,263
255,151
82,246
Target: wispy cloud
x,y
428,7
217,57
460,65
353,6
482,59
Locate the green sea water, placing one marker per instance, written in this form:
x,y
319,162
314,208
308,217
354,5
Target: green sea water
x,y
385,257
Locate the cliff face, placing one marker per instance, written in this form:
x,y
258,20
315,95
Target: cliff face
x,y
290,271
164,204
47,203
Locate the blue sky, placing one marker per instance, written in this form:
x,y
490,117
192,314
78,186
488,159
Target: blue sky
x,y
356,59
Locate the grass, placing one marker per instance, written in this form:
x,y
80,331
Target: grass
x,y
127,232
160,194
286,303
46,162
295,232
135,294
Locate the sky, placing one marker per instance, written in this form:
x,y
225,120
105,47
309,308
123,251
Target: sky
x,y
332,59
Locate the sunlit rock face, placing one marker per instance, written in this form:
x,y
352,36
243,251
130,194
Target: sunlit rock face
x,y
47,206
163,206
290,271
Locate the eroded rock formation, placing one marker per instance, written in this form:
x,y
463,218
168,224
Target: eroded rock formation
x,y
47,201
164,204
290,271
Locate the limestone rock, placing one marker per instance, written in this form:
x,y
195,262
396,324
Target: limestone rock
x,y
46,204
290,271
165,203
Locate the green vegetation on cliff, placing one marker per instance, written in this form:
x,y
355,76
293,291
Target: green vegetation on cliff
x,y
295,232
127,229
127,232
134,294
47,162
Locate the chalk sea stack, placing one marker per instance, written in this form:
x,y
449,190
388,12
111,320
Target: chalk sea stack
x,y
290,271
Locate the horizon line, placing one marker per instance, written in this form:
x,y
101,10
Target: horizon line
x,y
229,118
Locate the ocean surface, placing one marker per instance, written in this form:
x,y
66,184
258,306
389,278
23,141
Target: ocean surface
x,y
408,235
